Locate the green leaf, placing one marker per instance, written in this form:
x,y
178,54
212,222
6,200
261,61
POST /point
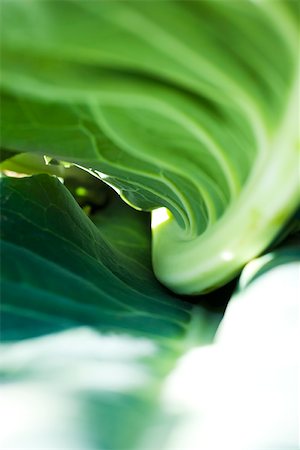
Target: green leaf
x,y
87,328
173,109
29,164
60,271
6,154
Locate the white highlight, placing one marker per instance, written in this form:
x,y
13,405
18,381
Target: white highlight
x,y
253,267
34,416
241,392
84,359
159,216
227,255
41,408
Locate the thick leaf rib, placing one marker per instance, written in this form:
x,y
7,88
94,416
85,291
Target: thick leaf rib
x,y
181,105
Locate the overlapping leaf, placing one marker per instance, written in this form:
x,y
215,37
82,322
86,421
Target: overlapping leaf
x,y
184,105
60,271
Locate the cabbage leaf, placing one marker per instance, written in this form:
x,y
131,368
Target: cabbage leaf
x,y
188,109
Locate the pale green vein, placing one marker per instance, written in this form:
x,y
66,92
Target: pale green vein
x,y
145,29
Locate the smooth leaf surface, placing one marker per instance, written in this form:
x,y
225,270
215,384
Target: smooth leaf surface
x,y
59,270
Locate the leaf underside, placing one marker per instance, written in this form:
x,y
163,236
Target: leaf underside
x,y
175,111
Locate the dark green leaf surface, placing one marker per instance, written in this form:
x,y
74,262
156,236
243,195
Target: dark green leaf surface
x,y
59,270
106,333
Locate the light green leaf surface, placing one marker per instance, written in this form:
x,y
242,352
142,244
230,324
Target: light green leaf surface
x,y
191,106
29,164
